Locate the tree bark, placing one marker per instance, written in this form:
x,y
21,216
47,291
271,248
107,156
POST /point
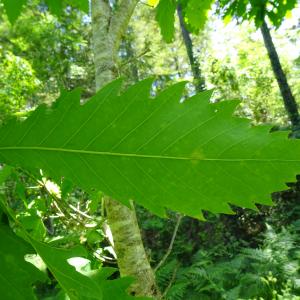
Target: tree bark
x,y
198,79
290,103
108,26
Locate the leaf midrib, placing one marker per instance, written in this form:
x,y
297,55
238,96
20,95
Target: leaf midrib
x,y
136,155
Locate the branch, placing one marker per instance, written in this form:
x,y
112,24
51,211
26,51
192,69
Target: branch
x,y
171,244
80,212
120,21
135,58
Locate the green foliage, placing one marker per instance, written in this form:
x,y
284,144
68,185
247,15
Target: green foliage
x,y
57,6
18,82
58,50
257,10
242,71
165,16
270,272
32,223
77,278
56,53
194,142
16,274
169,64
14,8
194,14
75,269
68,266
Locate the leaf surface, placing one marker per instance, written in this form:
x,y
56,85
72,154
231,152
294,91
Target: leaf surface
x,y
80,285
14,8
16,274
56,6
196,13
187,157
165,16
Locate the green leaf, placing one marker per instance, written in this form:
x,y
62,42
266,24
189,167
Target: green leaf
x,y
81,4
275,10
165,16
187,157
79,283
16,274
13,9
66,188
32,223
196,12
56,6
93,237
75,284
95,200
5,172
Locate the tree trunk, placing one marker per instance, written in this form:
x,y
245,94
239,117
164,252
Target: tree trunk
x,y
198,79
108,26
288,98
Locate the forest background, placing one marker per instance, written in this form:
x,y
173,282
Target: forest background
x,y
249,255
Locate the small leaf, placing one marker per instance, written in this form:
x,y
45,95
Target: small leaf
x,y
21,191
66,188
165,16
33,224
196,12
93,237
5,172
95,200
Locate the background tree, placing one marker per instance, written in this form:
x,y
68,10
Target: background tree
x,y
275,11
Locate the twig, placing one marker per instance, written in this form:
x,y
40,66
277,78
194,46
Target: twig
x,y
134,58
80,212
171,244
170,283
58,208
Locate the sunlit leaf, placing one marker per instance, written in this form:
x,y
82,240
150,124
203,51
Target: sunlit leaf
x,y
14,8
153,2
196,12
188,157
165,16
